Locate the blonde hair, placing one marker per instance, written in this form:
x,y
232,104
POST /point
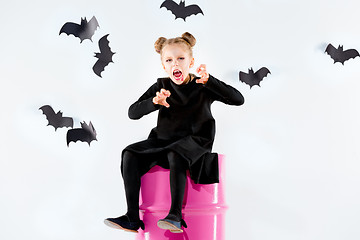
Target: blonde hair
x,y
186,38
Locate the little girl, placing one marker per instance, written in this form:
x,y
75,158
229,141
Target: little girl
x,y
183,137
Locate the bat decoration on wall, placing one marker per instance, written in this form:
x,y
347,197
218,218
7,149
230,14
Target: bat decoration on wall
x,y
84,30
104,57
252,78
339,55
180,10
86,133
56,119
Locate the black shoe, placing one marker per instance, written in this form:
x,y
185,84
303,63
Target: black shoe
x,y
124,223
173,226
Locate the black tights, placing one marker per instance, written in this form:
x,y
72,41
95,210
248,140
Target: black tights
x,y
132,174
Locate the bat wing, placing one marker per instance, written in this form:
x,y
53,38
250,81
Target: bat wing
x,y
93,24
99,67
56,119
76,134
192,9
261,73
71,28
333,52
86,133
105,56
105,48
49,112
90,128
173,7
330,49
348,54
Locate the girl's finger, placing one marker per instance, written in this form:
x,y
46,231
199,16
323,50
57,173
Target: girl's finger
x,y
165,92
202,68
200,80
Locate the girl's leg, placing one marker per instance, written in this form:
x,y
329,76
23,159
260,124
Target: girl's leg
x,y
130,169
178,167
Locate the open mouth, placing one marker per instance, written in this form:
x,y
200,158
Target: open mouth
x,y
178,75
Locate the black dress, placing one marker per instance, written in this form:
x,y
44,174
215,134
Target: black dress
x,y
187,127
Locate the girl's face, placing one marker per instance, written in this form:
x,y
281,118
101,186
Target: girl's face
x,y
177,61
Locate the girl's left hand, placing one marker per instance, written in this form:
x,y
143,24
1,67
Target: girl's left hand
x,y
201,70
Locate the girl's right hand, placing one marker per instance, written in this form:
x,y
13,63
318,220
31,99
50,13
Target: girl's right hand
x,y
160,98
201,70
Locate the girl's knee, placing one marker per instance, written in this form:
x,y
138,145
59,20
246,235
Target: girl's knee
x,y
176,160
127,155
172,155
128,160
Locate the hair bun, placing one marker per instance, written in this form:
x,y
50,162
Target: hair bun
x,y
186,38
159,44
189,38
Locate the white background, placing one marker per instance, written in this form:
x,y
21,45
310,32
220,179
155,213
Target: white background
x,y
292,150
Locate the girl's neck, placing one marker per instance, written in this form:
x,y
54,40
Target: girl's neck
x,y
188,79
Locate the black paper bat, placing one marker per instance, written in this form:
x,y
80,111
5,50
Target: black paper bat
x,y
86,133
56,119
104,57
339,55
83,31
180,10
252,78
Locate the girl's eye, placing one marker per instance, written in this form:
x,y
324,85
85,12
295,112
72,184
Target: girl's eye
x,y
168,60
181,58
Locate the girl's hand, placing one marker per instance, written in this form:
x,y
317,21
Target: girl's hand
x,y
160,98
201,70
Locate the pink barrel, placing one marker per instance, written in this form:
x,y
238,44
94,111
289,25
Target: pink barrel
x,y
203,209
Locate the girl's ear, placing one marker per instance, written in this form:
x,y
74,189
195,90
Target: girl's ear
x,y
192,62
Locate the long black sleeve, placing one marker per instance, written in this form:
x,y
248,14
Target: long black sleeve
x,y
223,92
144,104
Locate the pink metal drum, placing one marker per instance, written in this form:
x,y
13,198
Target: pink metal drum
x,y
203,209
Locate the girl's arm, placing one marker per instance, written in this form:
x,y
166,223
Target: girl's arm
x,y
223,92
144,105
